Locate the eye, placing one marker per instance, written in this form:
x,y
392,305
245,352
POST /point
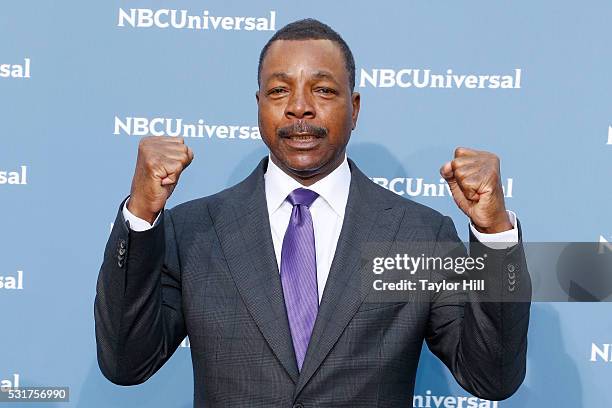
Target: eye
x,y
325,91
277,91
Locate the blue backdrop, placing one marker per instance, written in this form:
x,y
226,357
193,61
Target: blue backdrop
x,y
81,82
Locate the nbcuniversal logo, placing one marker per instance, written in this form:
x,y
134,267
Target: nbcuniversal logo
x,y
183,19
601,352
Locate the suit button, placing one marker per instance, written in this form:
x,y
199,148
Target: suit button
x,y
511,268
122,244
121,251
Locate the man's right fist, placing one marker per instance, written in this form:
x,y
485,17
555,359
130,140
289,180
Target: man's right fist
x,y
161,160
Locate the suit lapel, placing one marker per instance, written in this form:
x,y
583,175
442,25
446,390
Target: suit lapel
x,y
367,225
243,228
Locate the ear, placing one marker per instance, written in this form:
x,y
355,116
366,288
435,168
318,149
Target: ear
x,y
257,96
356,102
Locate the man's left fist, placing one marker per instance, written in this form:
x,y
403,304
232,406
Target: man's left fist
x,y
475,182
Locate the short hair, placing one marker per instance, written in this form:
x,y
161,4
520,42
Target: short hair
x,y
311,29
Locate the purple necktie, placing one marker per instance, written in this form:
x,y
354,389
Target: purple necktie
x,y
299,272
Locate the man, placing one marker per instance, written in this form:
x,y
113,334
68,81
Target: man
x,y
266,277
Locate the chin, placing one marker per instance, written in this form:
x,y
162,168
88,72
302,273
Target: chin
x,y
303,163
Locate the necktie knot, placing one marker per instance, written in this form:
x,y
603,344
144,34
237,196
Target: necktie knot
x,y
302,196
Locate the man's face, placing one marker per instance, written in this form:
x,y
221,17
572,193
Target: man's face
x,y
306,107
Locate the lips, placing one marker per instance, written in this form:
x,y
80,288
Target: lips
x,y
301,136
302,141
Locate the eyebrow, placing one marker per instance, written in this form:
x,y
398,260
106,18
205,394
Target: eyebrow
x,y
324,75
279,75
317,75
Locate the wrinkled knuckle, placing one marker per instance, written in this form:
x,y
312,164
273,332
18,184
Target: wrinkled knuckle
x,y
492,156
455,164
460,151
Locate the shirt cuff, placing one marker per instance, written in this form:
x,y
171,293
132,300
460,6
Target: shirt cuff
x,y
137,224
500,240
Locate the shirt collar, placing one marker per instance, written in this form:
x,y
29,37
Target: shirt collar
x,y
333,188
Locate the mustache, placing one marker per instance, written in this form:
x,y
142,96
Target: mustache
x,y
301,127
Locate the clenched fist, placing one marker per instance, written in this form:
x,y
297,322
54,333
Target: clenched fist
x,y
161,160
475,182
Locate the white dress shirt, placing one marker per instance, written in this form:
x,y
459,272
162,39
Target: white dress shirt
x,y
327,216
327,212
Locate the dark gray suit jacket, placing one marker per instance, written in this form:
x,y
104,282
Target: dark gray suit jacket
x,y
208,270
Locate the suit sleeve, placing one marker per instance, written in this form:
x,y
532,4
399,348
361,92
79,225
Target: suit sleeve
x,y
481,336
138,316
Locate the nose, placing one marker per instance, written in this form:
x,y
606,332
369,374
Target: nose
x,y
299,105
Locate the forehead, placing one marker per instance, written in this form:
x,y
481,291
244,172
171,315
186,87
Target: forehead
x,y
310,56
